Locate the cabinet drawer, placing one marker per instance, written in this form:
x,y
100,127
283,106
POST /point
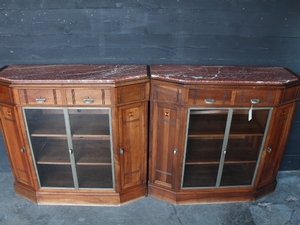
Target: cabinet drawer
x,y
256,97
209,97
5,94
131,93
40,96
96,96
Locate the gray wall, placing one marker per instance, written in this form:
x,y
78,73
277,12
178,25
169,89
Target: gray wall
x,y
205,32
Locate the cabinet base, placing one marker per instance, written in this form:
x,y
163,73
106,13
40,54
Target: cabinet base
x,y
84,198
209,195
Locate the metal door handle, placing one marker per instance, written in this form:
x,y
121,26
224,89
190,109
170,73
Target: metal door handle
x,y
88,100
40,100
209,101
255,101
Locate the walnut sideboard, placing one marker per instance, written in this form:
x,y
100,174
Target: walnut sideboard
x,y
217,134
78,134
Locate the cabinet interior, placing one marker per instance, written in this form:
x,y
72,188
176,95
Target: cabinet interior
x,y
223,146
71,147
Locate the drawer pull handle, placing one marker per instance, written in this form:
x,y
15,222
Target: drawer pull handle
x,y
269,150
88,100
40,100
209,101
255,101
23,150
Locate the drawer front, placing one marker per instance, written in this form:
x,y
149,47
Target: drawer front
x,y
290,94
89,96
209,97
250,97
131,93
166,93
5,94
40,96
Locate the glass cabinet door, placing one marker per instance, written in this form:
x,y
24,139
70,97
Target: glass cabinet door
x,y
223,146
204,146
71,147
244,144
91,146
48,139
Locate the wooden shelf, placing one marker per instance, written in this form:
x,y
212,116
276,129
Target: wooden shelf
x,y
209,152
51,151
206,175
55,176
48,125
95,176
213,125
200,175
92,152
207,124
91,124
237,174
87,152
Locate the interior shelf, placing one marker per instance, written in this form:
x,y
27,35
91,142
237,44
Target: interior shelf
x,y
91,124
87,152
92,152
200,175
209,152
205,125
56,176
51,151
237,174
95,176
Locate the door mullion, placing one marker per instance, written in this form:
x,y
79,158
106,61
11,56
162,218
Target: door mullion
x,y
71,150
224,147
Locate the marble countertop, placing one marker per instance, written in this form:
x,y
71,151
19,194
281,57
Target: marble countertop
x,y
222,74
73,73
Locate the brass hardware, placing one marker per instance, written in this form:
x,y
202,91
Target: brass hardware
x,y
254,101
88,100
121,151
175,151
269,150
167,114
40,100
23,150
209,101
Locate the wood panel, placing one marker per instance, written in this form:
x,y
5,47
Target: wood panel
x,y
16,150
133,144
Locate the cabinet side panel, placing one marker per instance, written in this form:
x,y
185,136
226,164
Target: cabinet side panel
x,y
15,148
165,145
277,143
133,144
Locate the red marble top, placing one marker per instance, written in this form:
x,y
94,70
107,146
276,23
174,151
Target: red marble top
x,y
222,74
73,73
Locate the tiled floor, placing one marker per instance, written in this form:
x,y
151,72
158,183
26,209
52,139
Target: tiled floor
x,y
281,207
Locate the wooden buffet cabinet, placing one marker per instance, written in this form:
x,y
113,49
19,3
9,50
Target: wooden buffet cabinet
x,y
217,134
78,134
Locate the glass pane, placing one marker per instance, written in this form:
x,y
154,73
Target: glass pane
x,y
204,147
47,134
90,129
243,148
